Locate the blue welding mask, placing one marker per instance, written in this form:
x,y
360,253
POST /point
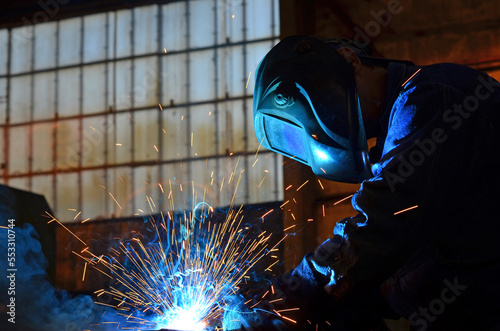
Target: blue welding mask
x,y
306,107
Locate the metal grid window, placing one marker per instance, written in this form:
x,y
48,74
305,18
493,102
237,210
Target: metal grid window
x,y
97,112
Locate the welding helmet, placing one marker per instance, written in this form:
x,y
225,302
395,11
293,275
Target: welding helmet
x,y
306,107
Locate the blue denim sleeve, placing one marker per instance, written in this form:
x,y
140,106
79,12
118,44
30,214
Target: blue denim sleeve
x,y
436,149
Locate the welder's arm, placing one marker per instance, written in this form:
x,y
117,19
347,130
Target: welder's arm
x,y
399,207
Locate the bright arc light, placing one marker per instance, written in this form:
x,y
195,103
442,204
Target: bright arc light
x,y
186,319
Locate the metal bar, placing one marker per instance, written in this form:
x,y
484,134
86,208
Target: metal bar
x,y
216,104
80,121
139,164
132,112
6,131
159,92
138,109
131,57
56,115
188,85
32,113
106,117
245,110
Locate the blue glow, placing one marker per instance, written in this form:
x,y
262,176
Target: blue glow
x,y
321,155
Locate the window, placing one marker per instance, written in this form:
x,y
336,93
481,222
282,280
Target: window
x,y
97,112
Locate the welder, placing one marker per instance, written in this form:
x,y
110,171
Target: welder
x,y
424,245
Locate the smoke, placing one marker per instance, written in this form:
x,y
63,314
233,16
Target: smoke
x,y
28,300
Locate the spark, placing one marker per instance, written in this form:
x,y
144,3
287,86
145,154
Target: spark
x,y
248,80
270,211
320,184
262,181
84,270
53,219
404,210
115,200
184,277
416,72
302,185
336,203
258,148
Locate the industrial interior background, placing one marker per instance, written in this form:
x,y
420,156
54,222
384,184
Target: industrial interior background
x,y
57,91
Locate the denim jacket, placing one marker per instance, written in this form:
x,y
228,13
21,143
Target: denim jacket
x,y
436,183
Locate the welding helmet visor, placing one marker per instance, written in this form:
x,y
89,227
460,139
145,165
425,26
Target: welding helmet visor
x,y
306,107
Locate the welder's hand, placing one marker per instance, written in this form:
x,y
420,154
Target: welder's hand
x,y
328,252
325,257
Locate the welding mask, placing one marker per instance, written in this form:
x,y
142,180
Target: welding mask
x,y
306,107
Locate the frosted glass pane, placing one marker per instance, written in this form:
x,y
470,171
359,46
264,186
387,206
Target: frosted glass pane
x,y
94,83
93,195
123,33
276,28
3,100
94,37
19,150
68,92
231,118
110,47
68,147
230,21
259,19
146,185
67,197
4,42
44,185
69,41
174,26
177,186
175,135
262,186
146,80
145,30
206,188
255,53
44,95
175,79
201,76
93,141
42,147
201,23
203,131
45,45
121,139
232,78
146,135
19,98
21,49
120,192
252,141
123,84
227,176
